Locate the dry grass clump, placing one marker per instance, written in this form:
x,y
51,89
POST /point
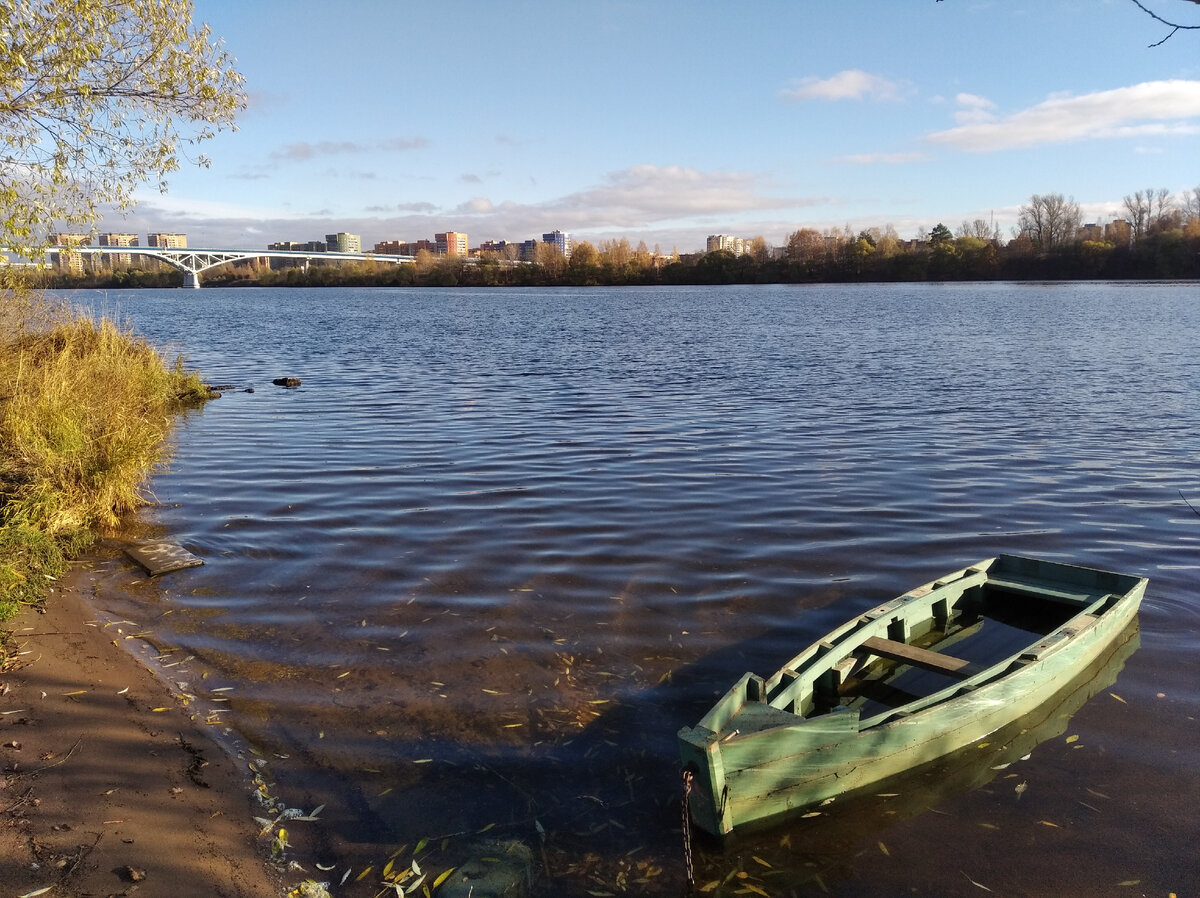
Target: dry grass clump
x,y
85,410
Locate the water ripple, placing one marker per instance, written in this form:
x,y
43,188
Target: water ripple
x,y
632,496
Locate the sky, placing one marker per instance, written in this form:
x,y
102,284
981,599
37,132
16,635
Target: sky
x,y
668,121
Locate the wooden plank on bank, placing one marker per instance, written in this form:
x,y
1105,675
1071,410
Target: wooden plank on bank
x,y
161,557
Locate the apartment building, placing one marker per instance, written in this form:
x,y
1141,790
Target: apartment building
x,y
559,240
118,240
342,242
451,243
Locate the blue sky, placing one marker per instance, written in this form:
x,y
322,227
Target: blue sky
x,y
668,121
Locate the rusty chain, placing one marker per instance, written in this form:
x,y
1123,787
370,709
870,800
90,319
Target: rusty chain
x,y
687,830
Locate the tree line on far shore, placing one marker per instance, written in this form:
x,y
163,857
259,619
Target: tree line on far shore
x,y
1159,239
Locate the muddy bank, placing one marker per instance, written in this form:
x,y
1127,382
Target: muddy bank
x,y
109,787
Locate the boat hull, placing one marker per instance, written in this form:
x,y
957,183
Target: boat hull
x,y
747,772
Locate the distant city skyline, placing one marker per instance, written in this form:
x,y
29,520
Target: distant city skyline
x,y
676,121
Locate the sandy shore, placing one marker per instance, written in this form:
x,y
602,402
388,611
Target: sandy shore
x,y
108,787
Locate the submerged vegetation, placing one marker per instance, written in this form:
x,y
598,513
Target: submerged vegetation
x,y
84,413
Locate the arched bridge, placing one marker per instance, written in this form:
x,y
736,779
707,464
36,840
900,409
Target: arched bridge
x,y
194,261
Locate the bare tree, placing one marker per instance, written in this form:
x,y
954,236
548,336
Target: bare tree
x,y
1174,26
1190,204
1163,214
1051,220
1137,206
980,229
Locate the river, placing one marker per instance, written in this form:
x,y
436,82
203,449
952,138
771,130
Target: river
x,y
500,545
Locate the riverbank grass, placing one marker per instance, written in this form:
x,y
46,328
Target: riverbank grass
x,y
85,410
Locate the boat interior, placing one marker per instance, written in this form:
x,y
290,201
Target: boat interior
x,y
938,641
961,637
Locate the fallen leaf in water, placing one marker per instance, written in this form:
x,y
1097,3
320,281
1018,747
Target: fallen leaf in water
x,y
884,849
709,886
759,860
443,877
1118,698
1072,738
1048,823
974,883
1129,882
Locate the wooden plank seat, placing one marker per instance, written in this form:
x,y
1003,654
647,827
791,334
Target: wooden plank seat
x,y
922,658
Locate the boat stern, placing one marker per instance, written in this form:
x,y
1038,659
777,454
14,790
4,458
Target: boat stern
x,y
705,791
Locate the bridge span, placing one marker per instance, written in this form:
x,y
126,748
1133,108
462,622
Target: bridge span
x,y
194,261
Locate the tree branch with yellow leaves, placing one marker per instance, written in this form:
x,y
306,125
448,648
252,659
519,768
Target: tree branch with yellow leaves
x,y
96,99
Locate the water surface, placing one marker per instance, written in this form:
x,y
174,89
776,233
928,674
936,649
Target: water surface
x,y
500,545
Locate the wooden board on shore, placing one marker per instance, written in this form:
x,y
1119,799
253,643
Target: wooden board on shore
x,y
161,557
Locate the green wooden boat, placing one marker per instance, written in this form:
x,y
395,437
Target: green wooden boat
x,y
909,681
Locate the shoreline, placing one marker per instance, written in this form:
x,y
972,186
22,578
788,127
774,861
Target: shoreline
x,y
105,778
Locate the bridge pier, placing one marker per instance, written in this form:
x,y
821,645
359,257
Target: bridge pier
x,y
191,279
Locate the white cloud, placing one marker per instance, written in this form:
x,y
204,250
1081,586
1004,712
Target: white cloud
x,y
303,150
882,158
1153,108
643,199
973,109
190,208
476,205
851,84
